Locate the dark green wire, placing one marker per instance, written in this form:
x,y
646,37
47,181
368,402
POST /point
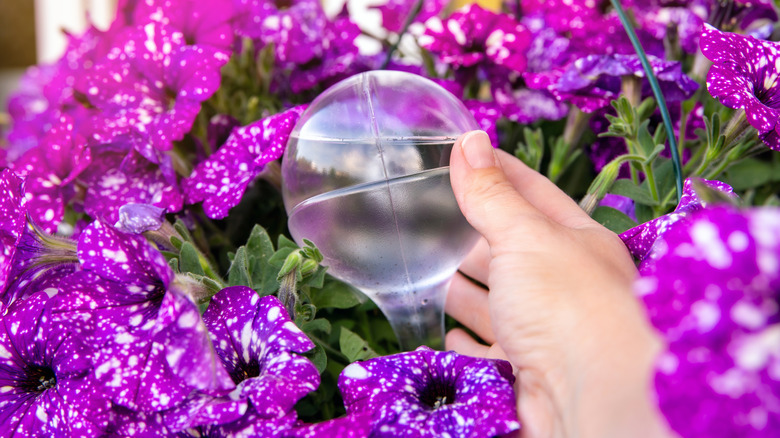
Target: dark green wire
x,y
659,97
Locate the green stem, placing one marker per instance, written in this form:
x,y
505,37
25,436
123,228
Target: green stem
x,y
332,352
698,155
648,169
718,170
576,123
659,97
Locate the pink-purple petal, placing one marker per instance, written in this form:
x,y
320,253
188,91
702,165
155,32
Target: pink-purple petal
x,y
221,179
432,393
712,294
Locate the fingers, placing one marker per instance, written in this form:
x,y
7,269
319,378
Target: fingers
x,y
460,341
497,192
477,262
468,303
485,195
542,193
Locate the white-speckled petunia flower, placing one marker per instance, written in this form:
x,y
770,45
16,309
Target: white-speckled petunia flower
x,y
714,294
30,259
50,170
640,239
593,81
151,347
746,74
427,393
259,345
151,85
473,35
46,384
220,180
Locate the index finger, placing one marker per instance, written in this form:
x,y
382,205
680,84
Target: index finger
x,y
542,193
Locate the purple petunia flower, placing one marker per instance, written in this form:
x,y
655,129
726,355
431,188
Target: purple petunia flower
x,y
117,177
685,19
12,221
295,28
473,35
46,93
351,426
641,239
432,393
338,58
50,170
257,343
151,347
45,374
713,294
745,75
592,82
395,12
203,23
486,114
220,180
30,260
151,85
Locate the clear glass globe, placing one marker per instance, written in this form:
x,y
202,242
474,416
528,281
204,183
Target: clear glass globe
x,y
366,178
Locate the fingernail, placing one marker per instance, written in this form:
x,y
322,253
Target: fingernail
x,y
478,150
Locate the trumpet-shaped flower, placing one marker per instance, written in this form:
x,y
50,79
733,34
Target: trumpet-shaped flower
x,y
473,35
432,393
258,345
746,74
220,180
713,294
151,348
640,239
45,374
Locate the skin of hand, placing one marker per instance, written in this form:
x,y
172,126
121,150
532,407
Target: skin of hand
x,y
558,304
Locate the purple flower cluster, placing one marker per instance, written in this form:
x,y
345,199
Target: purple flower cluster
x,y
712,292
431,393
744,75
99,336
641,240
111,122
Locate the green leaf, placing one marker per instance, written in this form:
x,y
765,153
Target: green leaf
x,y
750,173
318,357
182,230
176,242
644,140
259,250
627,188
284,242
238,273
174,264
335,295
354,347
321,325
190,259
613,219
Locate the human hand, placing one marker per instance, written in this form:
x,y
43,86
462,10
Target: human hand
x,y
559,305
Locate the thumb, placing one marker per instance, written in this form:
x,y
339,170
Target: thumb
x,y
487,198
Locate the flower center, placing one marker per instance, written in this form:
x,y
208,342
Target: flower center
x,y
247,371
283,4
39,379
438,394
